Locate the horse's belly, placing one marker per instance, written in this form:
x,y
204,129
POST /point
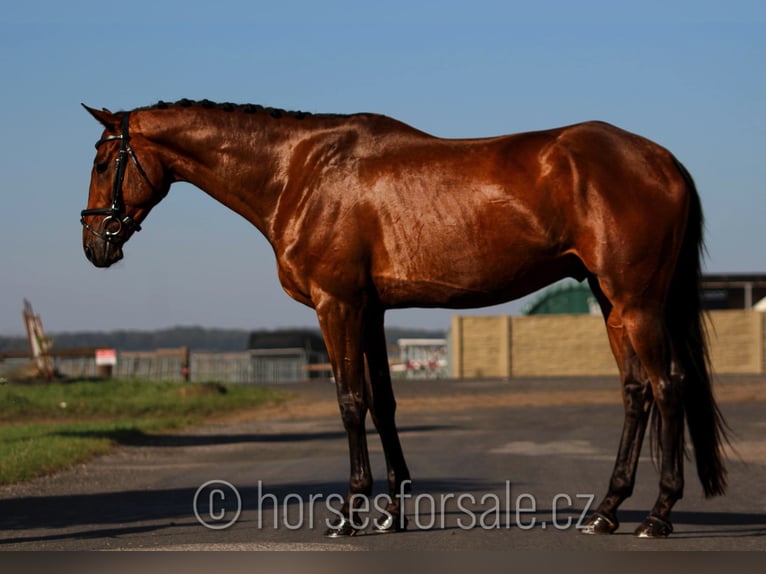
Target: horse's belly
x,y
451,283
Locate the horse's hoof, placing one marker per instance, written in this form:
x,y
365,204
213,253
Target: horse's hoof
x,y
390,523
654,527
341,528
600,524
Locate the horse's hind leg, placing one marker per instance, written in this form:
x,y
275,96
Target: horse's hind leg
x,y
650,339
637,398
380,398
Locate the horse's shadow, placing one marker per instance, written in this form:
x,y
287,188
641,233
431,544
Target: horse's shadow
x,y
134,437
136,511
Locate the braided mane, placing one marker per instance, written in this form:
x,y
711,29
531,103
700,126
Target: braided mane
x,y
241,108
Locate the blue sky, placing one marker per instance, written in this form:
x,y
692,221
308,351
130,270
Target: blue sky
x,y
688,75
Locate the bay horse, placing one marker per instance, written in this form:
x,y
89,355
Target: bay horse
x,y
366,213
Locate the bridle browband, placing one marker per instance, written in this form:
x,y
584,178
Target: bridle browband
x,y
116,219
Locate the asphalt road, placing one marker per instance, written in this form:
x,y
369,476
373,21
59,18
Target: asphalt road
x,y
495,465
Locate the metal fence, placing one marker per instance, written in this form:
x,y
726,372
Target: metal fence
x,y
272,366
164,366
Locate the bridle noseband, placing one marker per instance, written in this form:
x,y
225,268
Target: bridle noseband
x,y
116,218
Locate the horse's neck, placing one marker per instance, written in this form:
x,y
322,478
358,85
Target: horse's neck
x,y
241,166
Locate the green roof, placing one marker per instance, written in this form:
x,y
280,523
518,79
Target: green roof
x,y
564,297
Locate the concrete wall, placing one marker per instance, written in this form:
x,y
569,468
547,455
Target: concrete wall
x,y
577,345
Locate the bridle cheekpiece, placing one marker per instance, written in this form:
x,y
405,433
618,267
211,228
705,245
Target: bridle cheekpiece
x,y
116,218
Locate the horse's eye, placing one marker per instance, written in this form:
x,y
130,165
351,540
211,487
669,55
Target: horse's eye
x,y
101,167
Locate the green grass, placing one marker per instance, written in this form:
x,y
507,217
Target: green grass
x,y
48,427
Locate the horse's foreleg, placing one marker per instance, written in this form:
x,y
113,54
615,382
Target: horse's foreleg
x,y
341,325
383,407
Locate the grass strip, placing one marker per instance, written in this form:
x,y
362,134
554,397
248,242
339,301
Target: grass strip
x,y
49,427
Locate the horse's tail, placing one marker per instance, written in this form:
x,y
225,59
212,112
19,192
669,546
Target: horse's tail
x,y
684,317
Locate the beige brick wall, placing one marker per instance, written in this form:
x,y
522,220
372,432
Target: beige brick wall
x,y
481,346
577,345
736,342
763,342
560,345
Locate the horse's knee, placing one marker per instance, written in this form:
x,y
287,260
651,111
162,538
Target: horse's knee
x,y
352,413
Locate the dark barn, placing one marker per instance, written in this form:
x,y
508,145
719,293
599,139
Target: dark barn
x,y
288,355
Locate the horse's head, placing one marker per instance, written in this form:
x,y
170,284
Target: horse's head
x,y
127,180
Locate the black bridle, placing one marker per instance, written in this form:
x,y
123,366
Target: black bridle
x,y
116,218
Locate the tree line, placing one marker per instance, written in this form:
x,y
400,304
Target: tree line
x,y
196,338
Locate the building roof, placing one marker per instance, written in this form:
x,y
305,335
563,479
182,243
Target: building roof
x,y
734,279
287,339
563,297
719,291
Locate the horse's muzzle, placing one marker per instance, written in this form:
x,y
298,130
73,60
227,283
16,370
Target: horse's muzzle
x,y
102,253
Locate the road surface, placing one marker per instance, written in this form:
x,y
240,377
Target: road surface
x,y
496,465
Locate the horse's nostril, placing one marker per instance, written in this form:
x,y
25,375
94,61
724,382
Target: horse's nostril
x,y
88,252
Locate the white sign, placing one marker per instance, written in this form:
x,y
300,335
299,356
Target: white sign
x,y
106,357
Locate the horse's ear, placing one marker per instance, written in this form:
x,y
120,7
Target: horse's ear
x,y
104,116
